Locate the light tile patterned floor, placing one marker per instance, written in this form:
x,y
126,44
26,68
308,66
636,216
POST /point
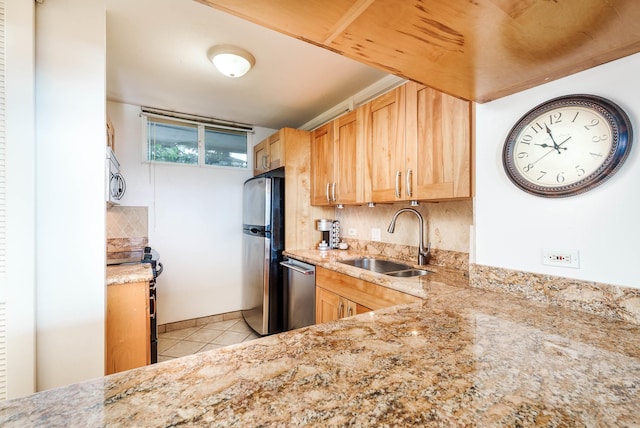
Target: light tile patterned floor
x,y
187,341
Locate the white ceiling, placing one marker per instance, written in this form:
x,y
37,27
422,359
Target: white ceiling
x,y
157,57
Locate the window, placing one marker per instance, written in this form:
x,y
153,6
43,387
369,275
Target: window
x,y
194,142
225,148
171,142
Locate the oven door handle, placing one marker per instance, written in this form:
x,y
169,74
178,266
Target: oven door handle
x,y
152,302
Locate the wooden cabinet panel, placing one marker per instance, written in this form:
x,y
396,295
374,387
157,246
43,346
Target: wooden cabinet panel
x,y
260,157
384,134
337,162
348,159
480,50
419,145
275,152
322,160
127,327
331,306
300,216
412,143
269,153
353,308
438,144
339,295
327,305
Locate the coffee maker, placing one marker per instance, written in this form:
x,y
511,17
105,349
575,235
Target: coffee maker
x,y
330,233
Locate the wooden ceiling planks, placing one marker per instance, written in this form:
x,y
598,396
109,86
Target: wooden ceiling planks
x,y
478,50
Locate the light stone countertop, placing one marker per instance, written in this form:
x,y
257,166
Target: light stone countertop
x,y
129,273
418,286
461,357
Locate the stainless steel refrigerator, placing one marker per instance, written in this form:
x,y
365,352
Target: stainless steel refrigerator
x,y
262,245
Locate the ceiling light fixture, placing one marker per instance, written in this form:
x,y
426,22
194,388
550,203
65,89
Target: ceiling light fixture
x,y
231,61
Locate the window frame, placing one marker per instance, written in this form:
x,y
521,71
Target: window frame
x,y
201,127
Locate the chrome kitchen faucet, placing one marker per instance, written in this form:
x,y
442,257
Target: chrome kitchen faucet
x,y
423,253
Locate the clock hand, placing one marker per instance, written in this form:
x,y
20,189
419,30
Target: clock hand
x,y
550,151
545,145
555,145
564,148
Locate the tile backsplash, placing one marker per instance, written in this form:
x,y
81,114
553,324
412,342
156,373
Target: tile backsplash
x,y
448,224
127,222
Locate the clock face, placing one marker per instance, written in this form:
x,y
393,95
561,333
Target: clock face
x,y
567,145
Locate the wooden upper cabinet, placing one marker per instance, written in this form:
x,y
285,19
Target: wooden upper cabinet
x,y
419,145
384,133
437,144
337,162
269,153
260,157
322,165
275,156
412,143
348,159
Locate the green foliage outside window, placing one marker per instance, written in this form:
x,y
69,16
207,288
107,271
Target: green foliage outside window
x,y
177,142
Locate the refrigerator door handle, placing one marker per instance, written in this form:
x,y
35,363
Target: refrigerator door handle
x,y
298,268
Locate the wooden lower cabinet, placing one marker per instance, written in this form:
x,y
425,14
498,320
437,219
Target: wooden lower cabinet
x,y
127,327
339,295
331,306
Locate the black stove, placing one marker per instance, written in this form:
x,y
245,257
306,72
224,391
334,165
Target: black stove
x,y
152,257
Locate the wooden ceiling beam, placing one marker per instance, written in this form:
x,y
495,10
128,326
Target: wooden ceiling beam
x,y
479,50
347,19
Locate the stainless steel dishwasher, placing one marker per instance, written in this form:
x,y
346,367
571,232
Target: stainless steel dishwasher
x,y
300,292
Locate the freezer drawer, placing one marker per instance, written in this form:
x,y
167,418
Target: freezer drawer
x,y
255,282
300,283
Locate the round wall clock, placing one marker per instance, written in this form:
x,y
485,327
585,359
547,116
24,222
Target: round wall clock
x,y
567,145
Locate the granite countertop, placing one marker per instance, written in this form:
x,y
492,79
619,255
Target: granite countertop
x,y
129,273
461,357
417,286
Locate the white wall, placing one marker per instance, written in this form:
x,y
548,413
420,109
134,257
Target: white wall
x,y
70,190
512,227
20,197
194,222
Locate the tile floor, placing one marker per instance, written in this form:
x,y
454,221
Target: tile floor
x,y
190,340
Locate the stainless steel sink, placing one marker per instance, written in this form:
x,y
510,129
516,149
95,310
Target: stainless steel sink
x,y
408,273
376,265
385,267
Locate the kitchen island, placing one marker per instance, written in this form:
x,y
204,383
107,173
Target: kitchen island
x,y
460,357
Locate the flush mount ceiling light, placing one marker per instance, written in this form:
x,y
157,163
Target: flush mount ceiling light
x,y
231,61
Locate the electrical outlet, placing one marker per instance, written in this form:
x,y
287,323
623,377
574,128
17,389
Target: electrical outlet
x,y
352,231
562,258
375,234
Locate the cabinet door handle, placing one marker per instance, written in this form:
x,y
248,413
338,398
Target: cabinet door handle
x,y
265,161
328,197
349,311
398,174
409,177
333,192
340,310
